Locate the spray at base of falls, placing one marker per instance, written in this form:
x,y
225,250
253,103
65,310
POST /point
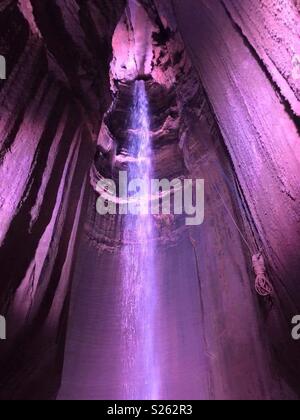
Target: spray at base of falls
x,y
139,301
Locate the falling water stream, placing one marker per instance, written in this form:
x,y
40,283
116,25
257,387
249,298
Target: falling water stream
x,y
139,301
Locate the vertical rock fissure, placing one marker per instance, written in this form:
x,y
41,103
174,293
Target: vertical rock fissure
x,y
289,110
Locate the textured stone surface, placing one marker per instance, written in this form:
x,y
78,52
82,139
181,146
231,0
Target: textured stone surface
x,y
209,329
272,28
225,108
50,110
262,137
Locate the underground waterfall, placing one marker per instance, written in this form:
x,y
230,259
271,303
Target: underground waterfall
x,y
139,300
200,300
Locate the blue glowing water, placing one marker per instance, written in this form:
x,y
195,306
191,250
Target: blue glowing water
x,y
139,305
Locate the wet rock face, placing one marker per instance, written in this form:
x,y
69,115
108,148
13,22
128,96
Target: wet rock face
x,y
165,125
272,28
51,106
113,153
243,52
139,52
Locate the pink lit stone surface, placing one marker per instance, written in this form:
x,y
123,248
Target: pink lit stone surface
x,y
261,134
223,106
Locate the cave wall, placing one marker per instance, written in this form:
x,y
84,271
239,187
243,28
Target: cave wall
x,y
271,29
57,87
234,121
243,54
210,328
